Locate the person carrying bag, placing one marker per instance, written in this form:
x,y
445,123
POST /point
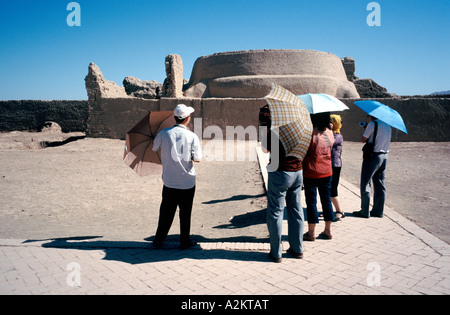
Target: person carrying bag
x,y
375,158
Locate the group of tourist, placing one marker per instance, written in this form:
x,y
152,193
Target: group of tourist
x,y
319,171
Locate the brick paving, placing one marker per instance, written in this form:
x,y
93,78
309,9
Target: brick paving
x,y
366,256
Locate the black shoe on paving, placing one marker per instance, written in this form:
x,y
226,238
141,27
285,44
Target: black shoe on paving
x,y
295,255
359,214
275,260
187,245
375,215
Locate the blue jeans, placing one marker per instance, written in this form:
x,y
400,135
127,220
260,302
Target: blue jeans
x,y
285,186
373,169
324,187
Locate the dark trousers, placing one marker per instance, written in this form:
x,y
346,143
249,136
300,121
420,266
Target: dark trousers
x,y
171,199
335,181
324,186
373,169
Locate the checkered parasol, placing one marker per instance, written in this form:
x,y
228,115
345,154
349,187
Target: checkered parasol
x,y
290,115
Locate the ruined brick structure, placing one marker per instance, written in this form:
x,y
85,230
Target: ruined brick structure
x,y
227,89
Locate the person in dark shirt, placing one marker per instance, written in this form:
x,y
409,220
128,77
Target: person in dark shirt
x,y
284,185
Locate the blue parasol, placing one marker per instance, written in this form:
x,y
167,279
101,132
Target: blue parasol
x,y
383,113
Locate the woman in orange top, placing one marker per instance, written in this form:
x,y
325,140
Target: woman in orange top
x,y
317,173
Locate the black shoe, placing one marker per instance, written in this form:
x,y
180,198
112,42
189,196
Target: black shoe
x,y
275,260
359,214
295,255
187,245
375,215
325,236
308,238
336,218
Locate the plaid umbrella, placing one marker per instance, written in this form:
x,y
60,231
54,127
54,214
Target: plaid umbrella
x,y
290,115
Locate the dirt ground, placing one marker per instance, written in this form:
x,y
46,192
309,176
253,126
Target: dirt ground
x,y
82,188
418,178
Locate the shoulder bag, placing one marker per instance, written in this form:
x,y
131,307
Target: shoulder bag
x,y
369,147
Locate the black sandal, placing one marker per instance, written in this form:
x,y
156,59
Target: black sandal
x,y
342,216
325,236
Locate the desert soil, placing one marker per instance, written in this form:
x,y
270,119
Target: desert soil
x,y
83,188
417,180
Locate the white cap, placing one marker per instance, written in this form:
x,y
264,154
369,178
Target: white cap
x,y
182,111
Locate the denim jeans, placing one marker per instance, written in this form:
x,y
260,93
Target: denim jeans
x,y
324,187
285,186
373,169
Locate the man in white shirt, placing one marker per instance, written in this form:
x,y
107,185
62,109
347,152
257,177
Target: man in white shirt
x,y
179,147
374,169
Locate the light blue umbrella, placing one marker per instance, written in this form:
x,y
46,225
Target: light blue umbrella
x,y
383,113
320,103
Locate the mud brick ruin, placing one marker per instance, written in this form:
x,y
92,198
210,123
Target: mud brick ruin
x,y
227,89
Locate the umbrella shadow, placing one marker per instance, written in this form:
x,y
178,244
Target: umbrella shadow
x,y
241,220
234,198
245,220
141,252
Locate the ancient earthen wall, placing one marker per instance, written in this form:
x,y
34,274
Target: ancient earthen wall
x,y
427,119
112,118
32,114
112,110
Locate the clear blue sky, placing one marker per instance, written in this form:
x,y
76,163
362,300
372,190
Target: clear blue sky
x,y
41,57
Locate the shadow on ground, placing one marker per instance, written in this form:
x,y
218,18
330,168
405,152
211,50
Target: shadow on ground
x,y
136,252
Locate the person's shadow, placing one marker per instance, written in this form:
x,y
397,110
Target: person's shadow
x,y
136,252
140,252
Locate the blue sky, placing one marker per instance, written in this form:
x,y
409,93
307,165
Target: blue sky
x,y
41,57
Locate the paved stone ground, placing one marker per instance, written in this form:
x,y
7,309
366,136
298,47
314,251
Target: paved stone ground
x,y
366,256
418,177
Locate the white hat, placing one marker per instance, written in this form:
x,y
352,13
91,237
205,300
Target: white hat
x,y
182,111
